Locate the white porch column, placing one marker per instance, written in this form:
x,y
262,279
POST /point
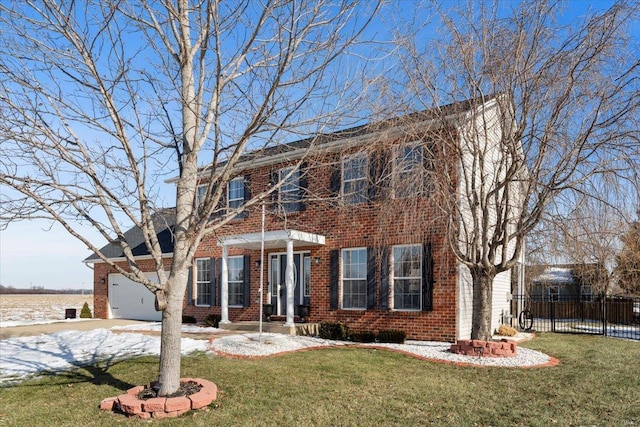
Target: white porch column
x,y
289,283
224,286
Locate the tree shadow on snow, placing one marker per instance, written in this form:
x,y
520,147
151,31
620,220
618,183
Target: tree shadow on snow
x,y
65,356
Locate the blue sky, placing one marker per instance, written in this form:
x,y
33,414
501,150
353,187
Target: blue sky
x,y
38,253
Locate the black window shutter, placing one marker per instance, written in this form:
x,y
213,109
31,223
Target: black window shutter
x,y
190,287
385,170
334,260
427,277
247,195
303,184
246,261
273,181
222,203
371,278
428,164
218,300
384,279
336,178
374,177
212,284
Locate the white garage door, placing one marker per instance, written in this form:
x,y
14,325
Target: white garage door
x,y
131,300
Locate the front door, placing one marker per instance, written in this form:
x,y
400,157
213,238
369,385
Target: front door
x,y
278,288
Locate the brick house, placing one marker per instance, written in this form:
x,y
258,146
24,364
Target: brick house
x,y
352,235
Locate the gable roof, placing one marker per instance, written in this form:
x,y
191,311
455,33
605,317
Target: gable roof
x,y
341,139
163,221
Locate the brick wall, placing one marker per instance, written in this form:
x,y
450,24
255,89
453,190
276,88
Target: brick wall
x,y
381,223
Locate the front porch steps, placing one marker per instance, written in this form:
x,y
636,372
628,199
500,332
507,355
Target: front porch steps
x,y
276,327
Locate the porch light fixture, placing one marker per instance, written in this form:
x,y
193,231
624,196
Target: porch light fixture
x,y
102,280
257,263
316,260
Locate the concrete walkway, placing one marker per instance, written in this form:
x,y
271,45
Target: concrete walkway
x,y
65,325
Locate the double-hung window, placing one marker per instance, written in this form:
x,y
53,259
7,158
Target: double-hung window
x,y
235,267
235,193
289,194
354,179
354,278
407,277
203,282
408,177
586,293
201,192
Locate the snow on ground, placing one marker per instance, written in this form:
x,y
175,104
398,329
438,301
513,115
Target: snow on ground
x,y
23,357
37,309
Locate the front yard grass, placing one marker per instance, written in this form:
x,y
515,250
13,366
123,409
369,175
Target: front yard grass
x,y
597,383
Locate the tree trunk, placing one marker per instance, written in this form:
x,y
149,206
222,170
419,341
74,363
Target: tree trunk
x,y
482,303
171,336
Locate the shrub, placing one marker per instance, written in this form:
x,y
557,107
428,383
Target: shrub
x,y
362,336
507,331
213,320
333,331
188,319
85,312
394,336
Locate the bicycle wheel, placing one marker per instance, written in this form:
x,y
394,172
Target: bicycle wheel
x,y
525,320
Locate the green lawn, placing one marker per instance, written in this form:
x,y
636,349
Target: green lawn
x,y
596,384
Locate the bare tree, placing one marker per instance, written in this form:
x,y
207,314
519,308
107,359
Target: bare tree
x,y
628,261
103,100
563,101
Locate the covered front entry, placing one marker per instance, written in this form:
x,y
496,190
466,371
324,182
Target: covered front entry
x,y
277,281
287,270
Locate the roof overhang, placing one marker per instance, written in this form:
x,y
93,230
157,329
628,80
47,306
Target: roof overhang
x,y
272,239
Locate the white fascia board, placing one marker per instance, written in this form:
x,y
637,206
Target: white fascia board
x,y
272,239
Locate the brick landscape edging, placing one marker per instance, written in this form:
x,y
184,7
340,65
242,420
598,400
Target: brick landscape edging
x,y
161,407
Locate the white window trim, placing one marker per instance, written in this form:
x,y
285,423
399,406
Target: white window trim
x,y
342,280
392,278
229,281
229,199
285,174
196,282
557,289
198,195
303,254
343,180
395,178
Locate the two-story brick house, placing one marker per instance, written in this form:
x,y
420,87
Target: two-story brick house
x,y
351,231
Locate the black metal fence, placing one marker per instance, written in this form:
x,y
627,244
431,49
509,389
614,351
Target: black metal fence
x,y
600,315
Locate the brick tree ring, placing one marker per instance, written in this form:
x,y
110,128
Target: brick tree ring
x,y
502,348
161,407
